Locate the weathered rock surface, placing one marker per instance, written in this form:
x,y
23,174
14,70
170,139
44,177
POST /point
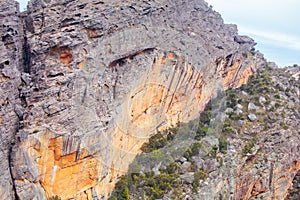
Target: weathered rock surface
x,y
104,75
11,62
85,83
260,159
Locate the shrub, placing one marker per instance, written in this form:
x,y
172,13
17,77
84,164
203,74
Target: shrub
x,y
223,143
235,116
188,153
201,131
277,104
173,168
155,142
210,131
220,160
213,152
232,98
200,175
227,122
195,148
248,148
283,125
121,191
55,198
205,117
272,109
228,129
156,186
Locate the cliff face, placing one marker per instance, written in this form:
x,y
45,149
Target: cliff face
x,y
87,82
253,155
10,108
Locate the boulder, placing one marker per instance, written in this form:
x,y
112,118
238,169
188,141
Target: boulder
x,y
252,117
252,106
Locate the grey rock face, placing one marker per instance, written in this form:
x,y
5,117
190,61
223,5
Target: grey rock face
x,y
186,166
68,73
188,177
66,76
11,42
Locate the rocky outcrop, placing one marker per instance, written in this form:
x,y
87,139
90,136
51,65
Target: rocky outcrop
x,y
11,110
86,83
104,75
242,159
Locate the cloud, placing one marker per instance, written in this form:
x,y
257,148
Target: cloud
x,y
272,24
273,38
23,4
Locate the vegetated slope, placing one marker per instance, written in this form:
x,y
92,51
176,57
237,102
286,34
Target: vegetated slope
x,y
248,148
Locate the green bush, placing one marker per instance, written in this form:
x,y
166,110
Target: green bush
x,y
121,191
200,175
173,168
272,109
231,98
159,140
205,117
201,131
187,154
277,104
228,129
244,54
248,148
283,125
193,150
155,142
227,122
213,152
234,116
55,198
156,186
223,143
196,147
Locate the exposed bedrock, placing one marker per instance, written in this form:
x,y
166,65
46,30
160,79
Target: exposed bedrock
x,y
11,110
87,82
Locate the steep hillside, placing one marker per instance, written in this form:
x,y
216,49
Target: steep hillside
x,y
248,148
85,84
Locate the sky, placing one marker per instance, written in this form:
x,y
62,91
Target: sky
x,y
23,4
273,24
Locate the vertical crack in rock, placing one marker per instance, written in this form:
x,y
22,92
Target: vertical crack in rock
x,y
10,160
26,54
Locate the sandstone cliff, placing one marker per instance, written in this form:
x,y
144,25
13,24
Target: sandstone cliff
x,y
86,83
253,153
